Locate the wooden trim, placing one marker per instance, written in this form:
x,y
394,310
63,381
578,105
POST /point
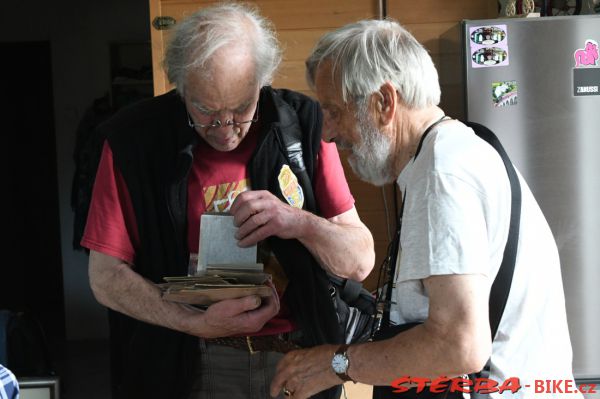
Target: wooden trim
x,y
156,36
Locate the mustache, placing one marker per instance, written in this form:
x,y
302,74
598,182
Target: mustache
x,y
342,144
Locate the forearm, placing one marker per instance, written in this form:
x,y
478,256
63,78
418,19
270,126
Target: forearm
x,y
454,340
342,244
341,248
121,289
418,352
117,286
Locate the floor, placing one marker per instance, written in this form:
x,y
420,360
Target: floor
x,y
357,391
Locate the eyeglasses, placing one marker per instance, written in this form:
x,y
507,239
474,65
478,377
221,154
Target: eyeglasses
x,y
217,122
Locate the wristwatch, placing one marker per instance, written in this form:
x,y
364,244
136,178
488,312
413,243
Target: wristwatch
x,y
340,363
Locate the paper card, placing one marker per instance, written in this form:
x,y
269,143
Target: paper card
x,y
218,246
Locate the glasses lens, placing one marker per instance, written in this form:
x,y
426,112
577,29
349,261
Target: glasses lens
x,y
242,119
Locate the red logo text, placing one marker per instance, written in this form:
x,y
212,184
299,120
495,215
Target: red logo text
x,y
458,384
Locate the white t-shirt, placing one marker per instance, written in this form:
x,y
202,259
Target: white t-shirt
x,y
455,221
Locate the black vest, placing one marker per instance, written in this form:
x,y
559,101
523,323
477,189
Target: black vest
x,y
152,147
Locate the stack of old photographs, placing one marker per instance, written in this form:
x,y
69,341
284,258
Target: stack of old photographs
x,y
221,270
215,286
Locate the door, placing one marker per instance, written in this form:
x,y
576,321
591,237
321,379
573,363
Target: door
x,y
32,261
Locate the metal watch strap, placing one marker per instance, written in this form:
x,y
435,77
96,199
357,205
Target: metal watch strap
x,y
342,351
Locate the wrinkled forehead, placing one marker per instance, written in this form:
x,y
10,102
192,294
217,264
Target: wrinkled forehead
x,y
231,81
327,86
328,90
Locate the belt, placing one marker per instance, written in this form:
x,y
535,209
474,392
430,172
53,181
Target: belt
x,y
267,343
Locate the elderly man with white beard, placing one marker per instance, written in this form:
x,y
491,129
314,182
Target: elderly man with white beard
x,y
379,91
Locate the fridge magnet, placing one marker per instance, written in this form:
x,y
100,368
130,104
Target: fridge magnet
x,y
489,46
504,93
588,55
489,56
488,35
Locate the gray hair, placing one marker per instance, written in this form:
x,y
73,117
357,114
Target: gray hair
x,y
196,38
366,54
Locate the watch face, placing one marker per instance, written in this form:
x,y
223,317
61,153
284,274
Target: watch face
x,y
339,363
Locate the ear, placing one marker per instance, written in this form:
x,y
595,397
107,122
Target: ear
x,y
386,103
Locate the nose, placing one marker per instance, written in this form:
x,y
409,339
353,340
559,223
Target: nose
x,y
226,129
328,131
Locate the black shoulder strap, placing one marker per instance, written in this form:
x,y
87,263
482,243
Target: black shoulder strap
x,y
391,260
292,144
501,286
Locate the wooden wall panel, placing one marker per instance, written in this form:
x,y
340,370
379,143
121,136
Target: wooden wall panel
x,y
299,23
429,11
292,14
431,35
291,76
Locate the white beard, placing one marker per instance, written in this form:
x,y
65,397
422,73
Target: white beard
x,y
371,158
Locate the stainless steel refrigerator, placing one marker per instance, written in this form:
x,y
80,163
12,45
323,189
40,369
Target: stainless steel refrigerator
x,y
535,82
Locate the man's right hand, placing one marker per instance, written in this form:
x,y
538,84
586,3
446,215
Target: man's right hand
x,y
237,316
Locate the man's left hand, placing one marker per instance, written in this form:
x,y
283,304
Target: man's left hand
x,y
305,372
259,214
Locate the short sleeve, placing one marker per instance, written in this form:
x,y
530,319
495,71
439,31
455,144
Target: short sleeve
x,y
444,229
110,227
331,188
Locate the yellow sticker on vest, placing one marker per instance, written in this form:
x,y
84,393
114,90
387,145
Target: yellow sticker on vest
x,y
291,190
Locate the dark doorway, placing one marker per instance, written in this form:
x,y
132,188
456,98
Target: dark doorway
x,y
32,267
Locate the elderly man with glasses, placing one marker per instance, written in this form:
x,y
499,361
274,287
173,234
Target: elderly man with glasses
x,y
223,141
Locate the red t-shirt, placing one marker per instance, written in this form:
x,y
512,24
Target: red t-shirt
x,y
215,180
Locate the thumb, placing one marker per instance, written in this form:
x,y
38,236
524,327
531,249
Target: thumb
x,y
233,307
250,302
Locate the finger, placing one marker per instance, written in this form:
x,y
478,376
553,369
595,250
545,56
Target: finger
x,y
253,321
232,307
272,300
264,313
281,375
254,236
248,321
246,211
303,387
244,198
275,295
255,216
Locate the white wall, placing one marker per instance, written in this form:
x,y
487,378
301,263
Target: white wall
x,y
79,33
